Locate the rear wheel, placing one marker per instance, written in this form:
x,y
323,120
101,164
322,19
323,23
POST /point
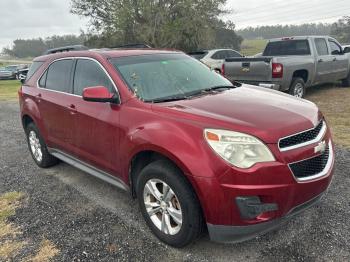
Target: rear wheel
x,y
297,88
168,204
37,147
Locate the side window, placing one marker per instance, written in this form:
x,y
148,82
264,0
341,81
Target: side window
x,y
219,55
42,81
230,53
88,73
335,48
321,46
58,76
33,68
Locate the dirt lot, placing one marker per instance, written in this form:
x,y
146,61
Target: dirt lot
x,y
64,214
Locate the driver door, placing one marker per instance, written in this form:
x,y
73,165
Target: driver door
x,y
97,132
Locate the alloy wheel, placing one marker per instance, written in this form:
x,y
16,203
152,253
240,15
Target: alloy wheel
x,y
162,206
35,146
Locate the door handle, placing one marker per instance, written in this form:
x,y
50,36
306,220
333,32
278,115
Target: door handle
x,y
38,97
334,59
320,60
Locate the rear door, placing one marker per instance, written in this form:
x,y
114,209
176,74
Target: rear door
x,y
55,102
324,62
96,136
340,61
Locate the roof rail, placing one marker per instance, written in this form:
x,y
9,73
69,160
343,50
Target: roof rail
x,y
66,49
138,45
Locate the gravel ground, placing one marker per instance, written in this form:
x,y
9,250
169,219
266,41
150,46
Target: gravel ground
x,y
89,220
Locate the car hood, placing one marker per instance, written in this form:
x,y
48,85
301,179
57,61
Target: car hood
x,y
266,114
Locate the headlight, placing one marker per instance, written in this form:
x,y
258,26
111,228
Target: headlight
x,y
241,150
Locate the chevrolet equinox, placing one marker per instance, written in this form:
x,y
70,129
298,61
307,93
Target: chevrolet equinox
x,y
198,152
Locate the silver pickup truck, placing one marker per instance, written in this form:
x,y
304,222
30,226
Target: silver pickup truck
x,y
292,64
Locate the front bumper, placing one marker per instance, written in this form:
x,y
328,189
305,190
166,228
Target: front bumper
x,y
236,234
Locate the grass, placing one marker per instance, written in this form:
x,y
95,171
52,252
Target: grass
x,y
8,232
46,252
10,246
252,47
334,104
9,89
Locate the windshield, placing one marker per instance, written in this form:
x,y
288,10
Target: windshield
x,y
166,76
287,47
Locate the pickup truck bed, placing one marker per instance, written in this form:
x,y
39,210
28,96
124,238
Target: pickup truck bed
x,y
310,60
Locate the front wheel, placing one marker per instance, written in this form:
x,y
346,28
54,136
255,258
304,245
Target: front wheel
x,y
297,88
168,204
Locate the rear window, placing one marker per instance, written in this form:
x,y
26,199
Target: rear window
x,y
33,68
287,48
198,55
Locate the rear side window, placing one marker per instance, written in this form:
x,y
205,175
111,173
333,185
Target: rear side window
x,y
89,73
230,53
58,76
219,55
33,68
321,46
287,48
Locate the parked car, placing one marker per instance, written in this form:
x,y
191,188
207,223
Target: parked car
x,y
196,150
5,74
10,72
292,64
214,58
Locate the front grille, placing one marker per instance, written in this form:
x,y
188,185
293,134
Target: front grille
x,y
301,138
310,167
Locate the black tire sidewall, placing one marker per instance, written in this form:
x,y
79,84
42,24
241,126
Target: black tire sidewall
x,y
293,85
188,202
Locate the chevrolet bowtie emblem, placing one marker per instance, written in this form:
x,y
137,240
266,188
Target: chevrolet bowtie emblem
x,y
321,147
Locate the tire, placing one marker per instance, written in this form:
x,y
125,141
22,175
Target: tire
x,y
38,149
181,200
297,87
346,81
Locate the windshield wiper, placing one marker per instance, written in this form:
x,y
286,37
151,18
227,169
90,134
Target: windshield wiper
x,y
166,99
213,88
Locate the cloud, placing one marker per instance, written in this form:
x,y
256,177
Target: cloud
x,y
37,18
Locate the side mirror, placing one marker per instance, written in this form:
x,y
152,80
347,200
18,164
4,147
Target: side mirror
x,y
99,94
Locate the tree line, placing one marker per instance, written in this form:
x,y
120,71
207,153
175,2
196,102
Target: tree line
x,y
340,30
185,25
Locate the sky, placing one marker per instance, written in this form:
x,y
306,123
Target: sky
x,y
41,18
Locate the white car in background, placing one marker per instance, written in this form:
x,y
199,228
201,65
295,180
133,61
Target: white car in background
x,y
214,58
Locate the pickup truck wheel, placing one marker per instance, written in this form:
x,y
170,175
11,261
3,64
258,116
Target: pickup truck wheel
x,y
168,204
346,81
297,88
38,149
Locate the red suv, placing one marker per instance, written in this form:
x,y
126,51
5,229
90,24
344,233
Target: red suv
x,y
197,151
